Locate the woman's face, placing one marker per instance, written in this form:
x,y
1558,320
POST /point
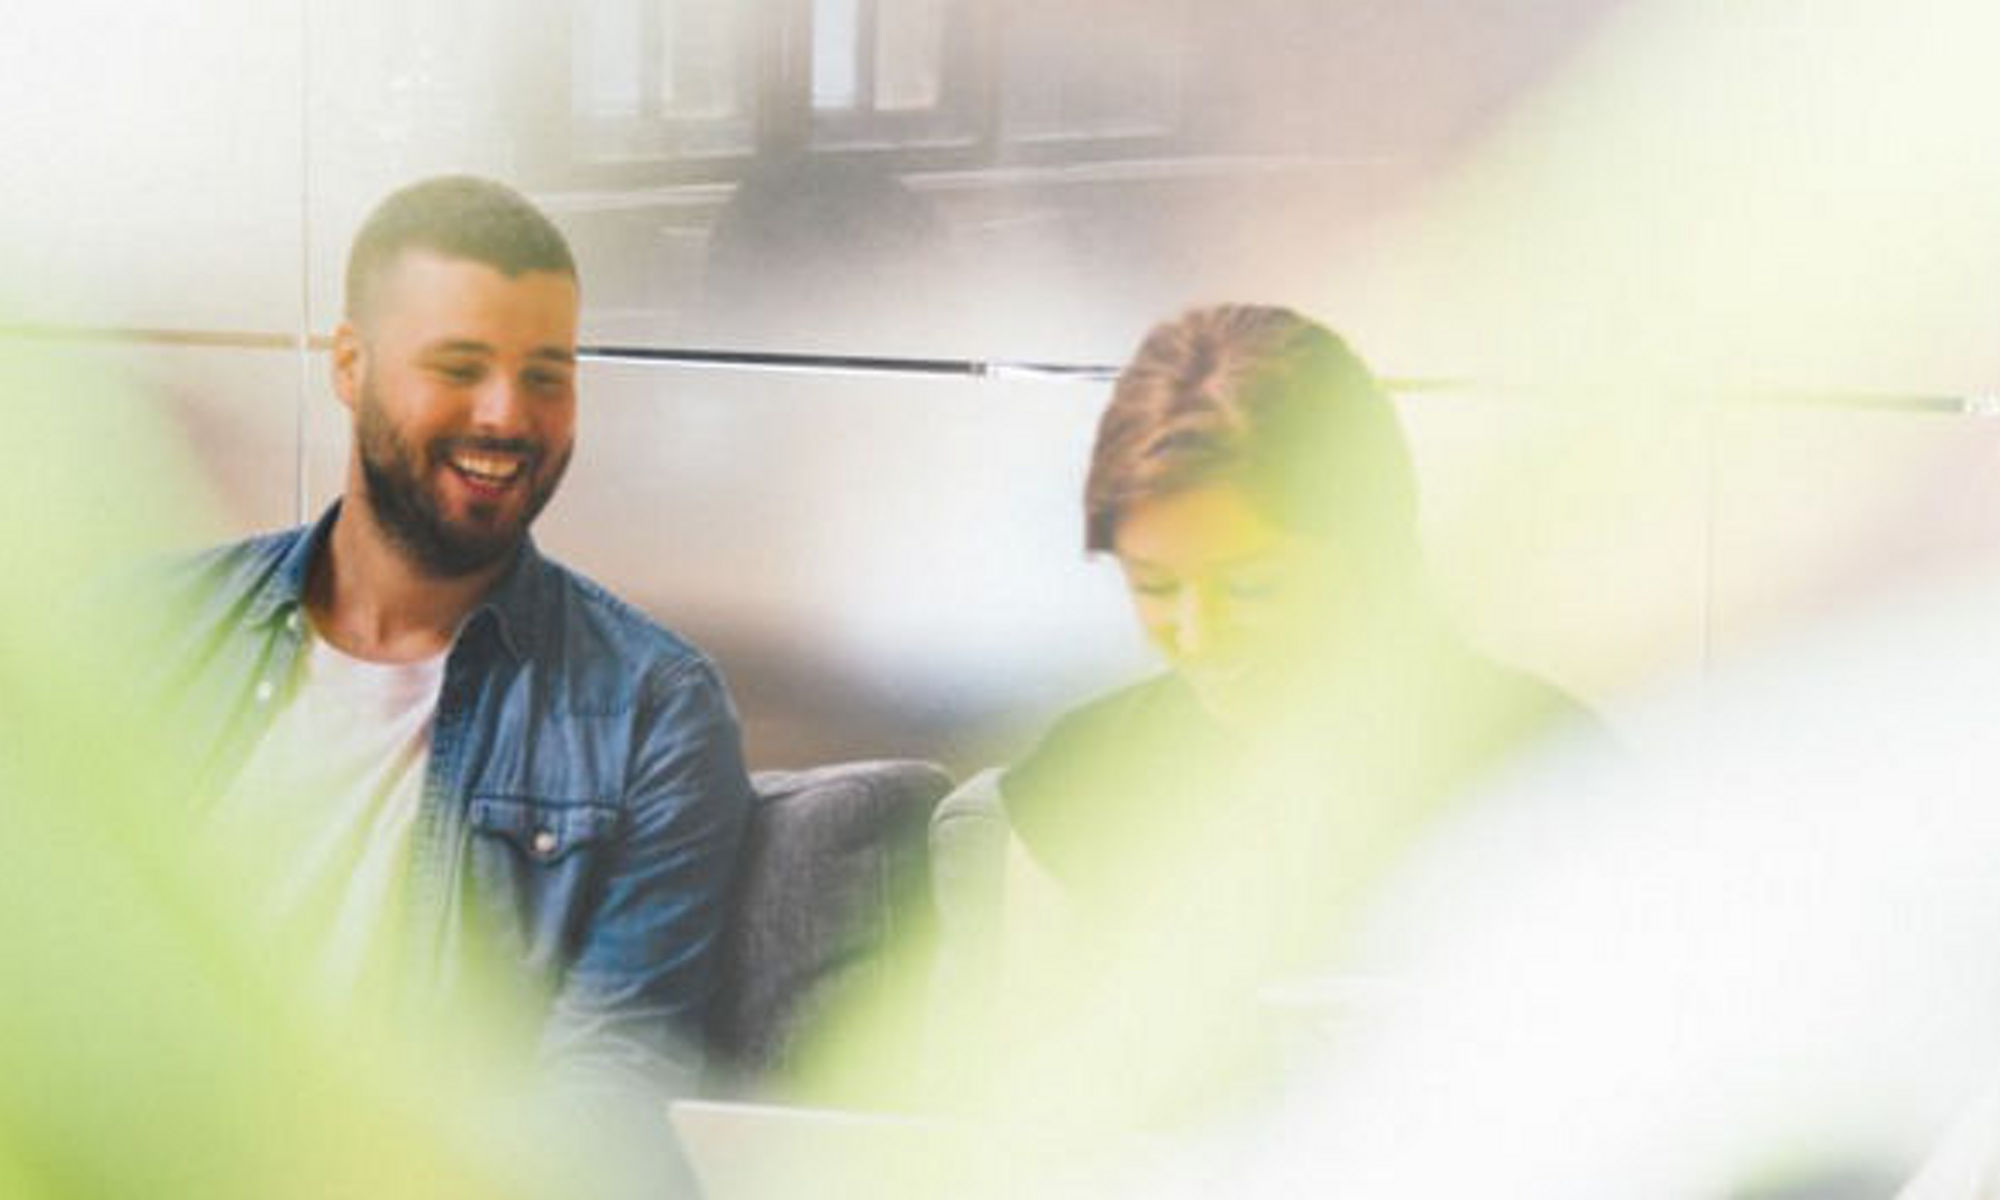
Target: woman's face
x,y
1234,603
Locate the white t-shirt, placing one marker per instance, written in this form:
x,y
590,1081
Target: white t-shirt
x,y
319,820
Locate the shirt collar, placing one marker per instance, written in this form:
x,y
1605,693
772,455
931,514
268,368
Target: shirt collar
x,y
285,590
513,604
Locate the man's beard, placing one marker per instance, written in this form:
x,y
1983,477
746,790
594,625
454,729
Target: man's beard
x,y
407,511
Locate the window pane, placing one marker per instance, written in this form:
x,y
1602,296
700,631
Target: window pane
x,y
909,41
605,82
836,35
698,59
1117,74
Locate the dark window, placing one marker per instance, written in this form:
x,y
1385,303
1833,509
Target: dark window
x,y
680,89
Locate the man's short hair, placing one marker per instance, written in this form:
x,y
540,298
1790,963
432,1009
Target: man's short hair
x,y
459,216
1267,400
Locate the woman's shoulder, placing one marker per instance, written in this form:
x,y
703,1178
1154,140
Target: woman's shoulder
x,y
1101,764
1111,729
1136,707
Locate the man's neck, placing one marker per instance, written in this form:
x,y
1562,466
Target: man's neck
x,y
370,600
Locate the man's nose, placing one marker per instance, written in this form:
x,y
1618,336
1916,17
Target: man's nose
x,y
499,406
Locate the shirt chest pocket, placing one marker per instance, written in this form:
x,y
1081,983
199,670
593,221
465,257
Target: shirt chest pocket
x,y
542,831
536,870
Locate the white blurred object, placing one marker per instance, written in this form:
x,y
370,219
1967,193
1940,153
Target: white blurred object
x,y
1765,955
1966,1165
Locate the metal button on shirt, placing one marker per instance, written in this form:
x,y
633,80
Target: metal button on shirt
x,y
545,842
265,690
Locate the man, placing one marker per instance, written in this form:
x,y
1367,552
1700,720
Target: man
x,y
428,750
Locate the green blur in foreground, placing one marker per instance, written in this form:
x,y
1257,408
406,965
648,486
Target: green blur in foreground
x,y
145,1049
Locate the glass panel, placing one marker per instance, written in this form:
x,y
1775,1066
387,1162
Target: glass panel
x,y
881,565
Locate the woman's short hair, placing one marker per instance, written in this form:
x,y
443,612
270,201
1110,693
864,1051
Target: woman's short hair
x,y
1262,398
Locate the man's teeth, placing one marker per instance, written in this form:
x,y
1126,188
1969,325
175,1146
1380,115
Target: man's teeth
x,y
487,468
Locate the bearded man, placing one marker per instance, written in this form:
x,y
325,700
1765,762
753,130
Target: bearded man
x,y
431,757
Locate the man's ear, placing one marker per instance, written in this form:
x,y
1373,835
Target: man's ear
x,y
349,363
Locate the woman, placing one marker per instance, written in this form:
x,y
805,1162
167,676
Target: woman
x,y
1251,481
1184,844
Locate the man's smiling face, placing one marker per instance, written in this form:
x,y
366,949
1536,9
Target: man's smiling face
x,y
462,383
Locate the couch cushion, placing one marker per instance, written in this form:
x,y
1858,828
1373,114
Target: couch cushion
x,y
833,880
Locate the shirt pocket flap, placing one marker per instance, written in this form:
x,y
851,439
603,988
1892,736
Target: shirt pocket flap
x,y
542,830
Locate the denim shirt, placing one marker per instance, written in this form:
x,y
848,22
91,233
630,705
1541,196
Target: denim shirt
x,y
582,810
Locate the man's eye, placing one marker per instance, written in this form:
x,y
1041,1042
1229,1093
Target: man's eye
x,y
545,381
457,372
1153,588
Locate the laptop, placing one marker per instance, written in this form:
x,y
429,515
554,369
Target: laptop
x,y
747,1151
